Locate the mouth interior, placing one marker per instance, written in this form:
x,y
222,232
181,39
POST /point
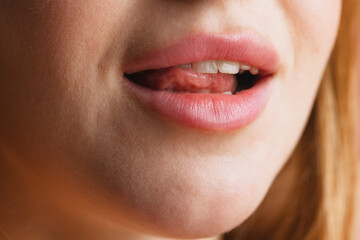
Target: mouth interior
x,y
245,81
179,80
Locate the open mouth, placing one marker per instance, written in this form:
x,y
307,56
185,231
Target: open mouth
x,y
206,81
208,77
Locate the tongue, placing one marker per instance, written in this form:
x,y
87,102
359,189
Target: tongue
x,y
186,80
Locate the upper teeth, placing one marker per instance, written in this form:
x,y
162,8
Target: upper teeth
x,y
228,67
205,67
215,66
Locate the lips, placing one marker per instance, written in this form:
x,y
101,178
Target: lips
x,y
205,101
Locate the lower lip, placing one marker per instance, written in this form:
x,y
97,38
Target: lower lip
x,y
209,112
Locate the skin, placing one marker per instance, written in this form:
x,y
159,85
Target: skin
x,y
80,159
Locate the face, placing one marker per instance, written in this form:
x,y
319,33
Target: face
x,y
71,120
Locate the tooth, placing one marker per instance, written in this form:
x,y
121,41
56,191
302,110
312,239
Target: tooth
x,y
245,67
227,93
205,67
228,67
254,70
185,66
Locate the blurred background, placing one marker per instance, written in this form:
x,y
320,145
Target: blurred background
x,y
357,202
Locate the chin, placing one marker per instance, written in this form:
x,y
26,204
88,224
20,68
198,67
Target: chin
x,y
192,206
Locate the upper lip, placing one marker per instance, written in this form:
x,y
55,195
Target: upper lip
x,y
246,47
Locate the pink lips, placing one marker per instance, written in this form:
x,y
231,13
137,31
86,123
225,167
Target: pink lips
x,y
212,112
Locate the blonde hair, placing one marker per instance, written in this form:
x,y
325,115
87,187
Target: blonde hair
x,y
319,204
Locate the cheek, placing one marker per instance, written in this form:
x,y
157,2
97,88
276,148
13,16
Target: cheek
x,y
312,26
315,25
57,53
307,40
313,22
